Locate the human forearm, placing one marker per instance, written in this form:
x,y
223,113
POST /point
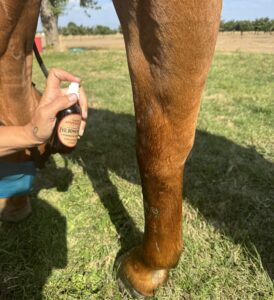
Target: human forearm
x,y
16,138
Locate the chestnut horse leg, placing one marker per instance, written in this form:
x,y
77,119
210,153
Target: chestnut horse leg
x,y
170,45
18,98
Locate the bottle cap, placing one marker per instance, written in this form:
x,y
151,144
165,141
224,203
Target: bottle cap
x,y
74,89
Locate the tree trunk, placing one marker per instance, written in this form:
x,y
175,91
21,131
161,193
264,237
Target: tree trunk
x,y
50,27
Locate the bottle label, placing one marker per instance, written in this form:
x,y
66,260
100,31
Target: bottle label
x,y
68,130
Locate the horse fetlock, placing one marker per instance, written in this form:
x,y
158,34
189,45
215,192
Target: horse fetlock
x,y
162,255
136,277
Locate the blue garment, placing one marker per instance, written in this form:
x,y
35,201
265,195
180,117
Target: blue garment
x,y
16,179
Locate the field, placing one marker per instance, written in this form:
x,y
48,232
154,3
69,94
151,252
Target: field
x,y
227,41
87,207
248,42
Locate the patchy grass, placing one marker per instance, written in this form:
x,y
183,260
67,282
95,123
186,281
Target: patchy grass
x,y
87,207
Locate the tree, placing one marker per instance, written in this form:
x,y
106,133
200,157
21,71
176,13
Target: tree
x,y
50,11
262,24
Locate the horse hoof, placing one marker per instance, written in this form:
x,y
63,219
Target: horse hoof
x,y
14,209
137,279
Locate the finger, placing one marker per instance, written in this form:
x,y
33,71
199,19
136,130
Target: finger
x,y
83,101
57,75
59,104
82,127
64,91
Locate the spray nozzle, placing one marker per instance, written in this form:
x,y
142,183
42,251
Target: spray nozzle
x,y
74,88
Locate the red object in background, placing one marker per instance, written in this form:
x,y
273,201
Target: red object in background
x,y
38,42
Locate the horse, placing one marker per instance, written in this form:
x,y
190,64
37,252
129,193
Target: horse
x,y
169,47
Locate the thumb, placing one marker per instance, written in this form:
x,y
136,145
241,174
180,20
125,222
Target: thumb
x,y
61,103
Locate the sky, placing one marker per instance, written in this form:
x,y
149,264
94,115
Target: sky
x,y
232,9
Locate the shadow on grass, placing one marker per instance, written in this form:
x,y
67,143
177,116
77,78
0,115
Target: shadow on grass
x,y
108,145
30,249
231,186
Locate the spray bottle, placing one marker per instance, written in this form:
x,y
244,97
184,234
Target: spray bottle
x,y
66,131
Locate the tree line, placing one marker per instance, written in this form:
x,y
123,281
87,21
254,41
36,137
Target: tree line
x,y
262,24
74,29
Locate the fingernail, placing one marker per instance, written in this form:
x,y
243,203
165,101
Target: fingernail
x,y
85,114
72,97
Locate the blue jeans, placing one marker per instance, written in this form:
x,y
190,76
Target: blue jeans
x,y
16,179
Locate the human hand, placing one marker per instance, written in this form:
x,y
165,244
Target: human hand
x,y
54,100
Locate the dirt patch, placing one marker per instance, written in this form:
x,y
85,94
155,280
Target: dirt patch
x,y
227,42
248,42
92,42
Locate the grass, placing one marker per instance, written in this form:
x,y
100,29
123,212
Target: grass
x,y
87,207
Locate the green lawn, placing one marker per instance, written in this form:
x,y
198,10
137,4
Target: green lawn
x,y
87,207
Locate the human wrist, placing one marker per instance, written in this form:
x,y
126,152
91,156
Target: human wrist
x,y
30,132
